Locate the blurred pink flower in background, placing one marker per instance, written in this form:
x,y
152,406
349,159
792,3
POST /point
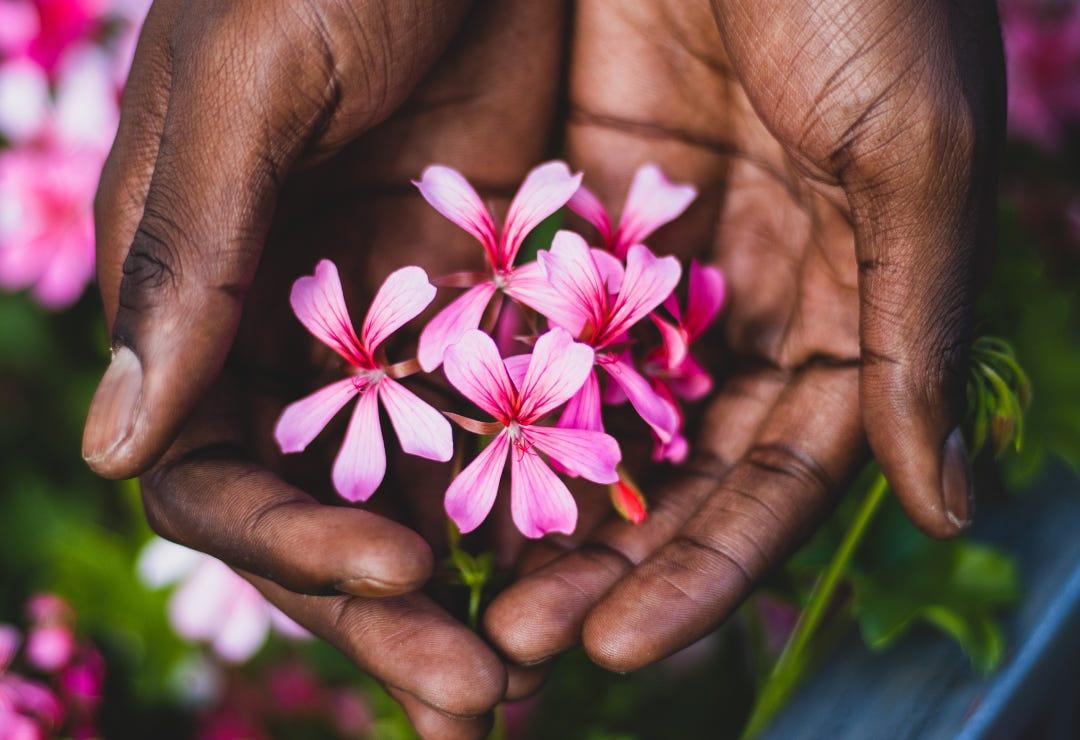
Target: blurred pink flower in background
x,y
212,603
62,66
1042,47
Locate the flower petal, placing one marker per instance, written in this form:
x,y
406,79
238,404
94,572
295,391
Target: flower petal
x,y
449,324
245,628
319,303
675,343
420,428
529,286
611,269
557,370
704,298
539,500
647,282
572,272
653,201
545,190
516,367
472,494
197,607
585,204
592,455
474,367
450,194
162,562
690,381
361,461
583,409
302,420
657,412
403,295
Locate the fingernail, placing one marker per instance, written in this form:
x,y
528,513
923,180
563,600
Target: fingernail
x,y
112,412
367,587
957,489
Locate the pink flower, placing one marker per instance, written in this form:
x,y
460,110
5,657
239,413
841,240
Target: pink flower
x,y
27,708
1042,44
43,30
212,603
671,368
361,463
519,392
47,182
545,190
599,302
652,202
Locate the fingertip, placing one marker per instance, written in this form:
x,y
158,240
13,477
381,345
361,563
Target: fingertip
x,y
110,422
431,723
394,560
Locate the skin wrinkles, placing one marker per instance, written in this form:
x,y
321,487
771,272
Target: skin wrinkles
x,y
836,186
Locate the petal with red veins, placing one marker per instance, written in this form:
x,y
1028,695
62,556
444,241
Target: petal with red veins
x,y
474,367
657,412
403,295
647,282
302,420
585,204
463,314
653,201
539,501
572,272
319,303
583,409
592,455
675,342
471,495
557,370
361,461
420,428
450,194
545,190
529,286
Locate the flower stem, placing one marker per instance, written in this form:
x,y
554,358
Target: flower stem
x,y
793,661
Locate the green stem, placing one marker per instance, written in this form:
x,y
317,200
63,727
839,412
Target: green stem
x,y
792,662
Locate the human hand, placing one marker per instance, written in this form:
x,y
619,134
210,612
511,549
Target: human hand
x,y
255,139
845,154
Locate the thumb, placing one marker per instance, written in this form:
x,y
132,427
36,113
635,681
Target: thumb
x,y
924,208
247,97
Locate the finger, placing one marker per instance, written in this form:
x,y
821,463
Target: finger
x,y
805,450
542,614
207,497
409,644
247,95
924,209
125,178
903,109
431,723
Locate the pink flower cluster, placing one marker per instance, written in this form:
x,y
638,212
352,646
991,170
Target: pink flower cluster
x,y
68,676
1042,48
588,304
62,66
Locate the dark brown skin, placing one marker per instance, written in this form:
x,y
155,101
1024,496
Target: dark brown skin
x,y
845,158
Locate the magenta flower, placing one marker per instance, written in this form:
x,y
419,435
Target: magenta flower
x,y
519,392
545,190
28,709
1042,45
212,603
598,301
651,202
361,463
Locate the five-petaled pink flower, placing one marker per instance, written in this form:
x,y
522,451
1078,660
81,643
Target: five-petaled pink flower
x,y
519,392
673,370
651,202
545,190
598,302
361,463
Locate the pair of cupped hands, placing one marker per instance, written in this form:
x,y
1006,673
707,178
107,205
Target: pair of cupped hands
x,y
845,157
